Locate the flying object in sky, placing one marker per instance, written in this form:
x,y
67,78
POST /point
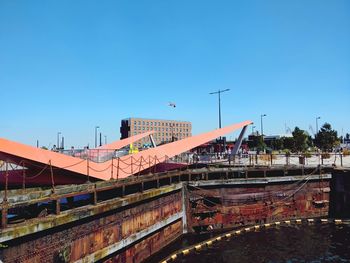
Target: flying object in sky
x,y
172,104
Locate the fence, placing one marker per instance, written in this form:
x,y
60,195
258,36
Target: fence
x,y
326,159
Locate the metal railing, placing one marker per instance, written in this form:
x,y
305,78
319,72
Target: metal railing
x,y
248,159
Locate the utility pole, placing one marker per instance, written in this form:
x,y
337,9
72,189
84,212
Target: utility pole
x,y
261,122
219,95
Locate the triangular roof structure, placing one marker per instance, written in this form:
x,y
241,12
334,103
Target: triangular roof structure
x,y
65,165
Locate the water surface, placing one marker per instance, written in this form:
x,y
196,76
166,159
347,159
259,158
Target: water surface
x,y
295,243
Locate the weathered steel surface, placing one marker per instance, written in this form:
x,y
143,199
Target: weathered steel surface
x,y
224,207
149,246
40,224
76,242
131,228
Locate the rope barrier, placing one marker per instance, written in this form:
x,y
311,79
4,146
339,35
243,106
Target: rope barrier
x,y
88,170
52,179
99,171
112,165
118,169
38,174
6,183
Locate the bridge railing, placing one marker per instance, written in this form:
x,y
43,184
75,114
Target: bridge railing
x,y
275,159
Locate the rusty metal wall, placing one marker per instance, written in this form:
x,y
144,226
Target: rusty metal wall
x,y
224,207
76,242
207,208
149,246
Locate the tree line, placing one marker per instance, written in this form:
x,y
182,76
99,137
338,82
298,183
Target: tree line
x,y
326,140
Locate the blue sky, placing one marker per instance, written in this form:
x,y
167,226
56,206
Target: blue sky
x,y
70,65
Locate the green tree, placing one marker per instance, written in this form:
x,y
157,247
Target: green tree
x,y
326,139
300,140
277,144
288,143
257,143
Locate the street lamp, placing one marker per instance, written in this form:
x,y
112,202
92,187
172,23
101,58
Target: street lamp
x,y
105,139
261,120
219,95
96,127
58,140
317,118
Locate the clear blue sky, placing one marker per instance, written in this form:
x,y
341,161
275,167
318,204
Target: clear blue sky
x,y
70,65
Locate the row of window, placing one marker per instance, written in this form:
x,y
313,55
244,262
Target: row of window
x,y
182,135
158,123
160,129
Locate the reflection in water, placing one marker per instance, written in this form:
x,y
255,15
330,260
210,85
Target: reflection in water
x,y
296,243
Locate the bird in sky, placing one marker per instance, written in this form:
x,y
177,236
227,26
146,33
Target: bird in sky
x,y
172,104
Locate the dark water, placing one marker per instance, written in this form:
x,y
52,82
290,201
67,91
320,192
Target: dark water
x,y
295,243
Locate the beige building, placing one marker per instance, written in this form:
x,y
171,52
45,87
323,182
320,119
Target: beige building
x,y
164,130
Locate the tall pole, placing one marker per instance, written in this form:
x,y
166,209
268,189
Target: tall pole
x,y
219,95
317,118
105,139
261,123
96,127
219,110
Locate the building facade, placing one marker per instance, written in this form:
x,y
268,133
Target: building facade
x,y
164,130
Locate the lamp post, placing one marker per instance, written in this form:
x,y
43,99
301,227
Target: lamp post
x,y
253,127
317,118
262,127
219,95
58,140
105,139
96,127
